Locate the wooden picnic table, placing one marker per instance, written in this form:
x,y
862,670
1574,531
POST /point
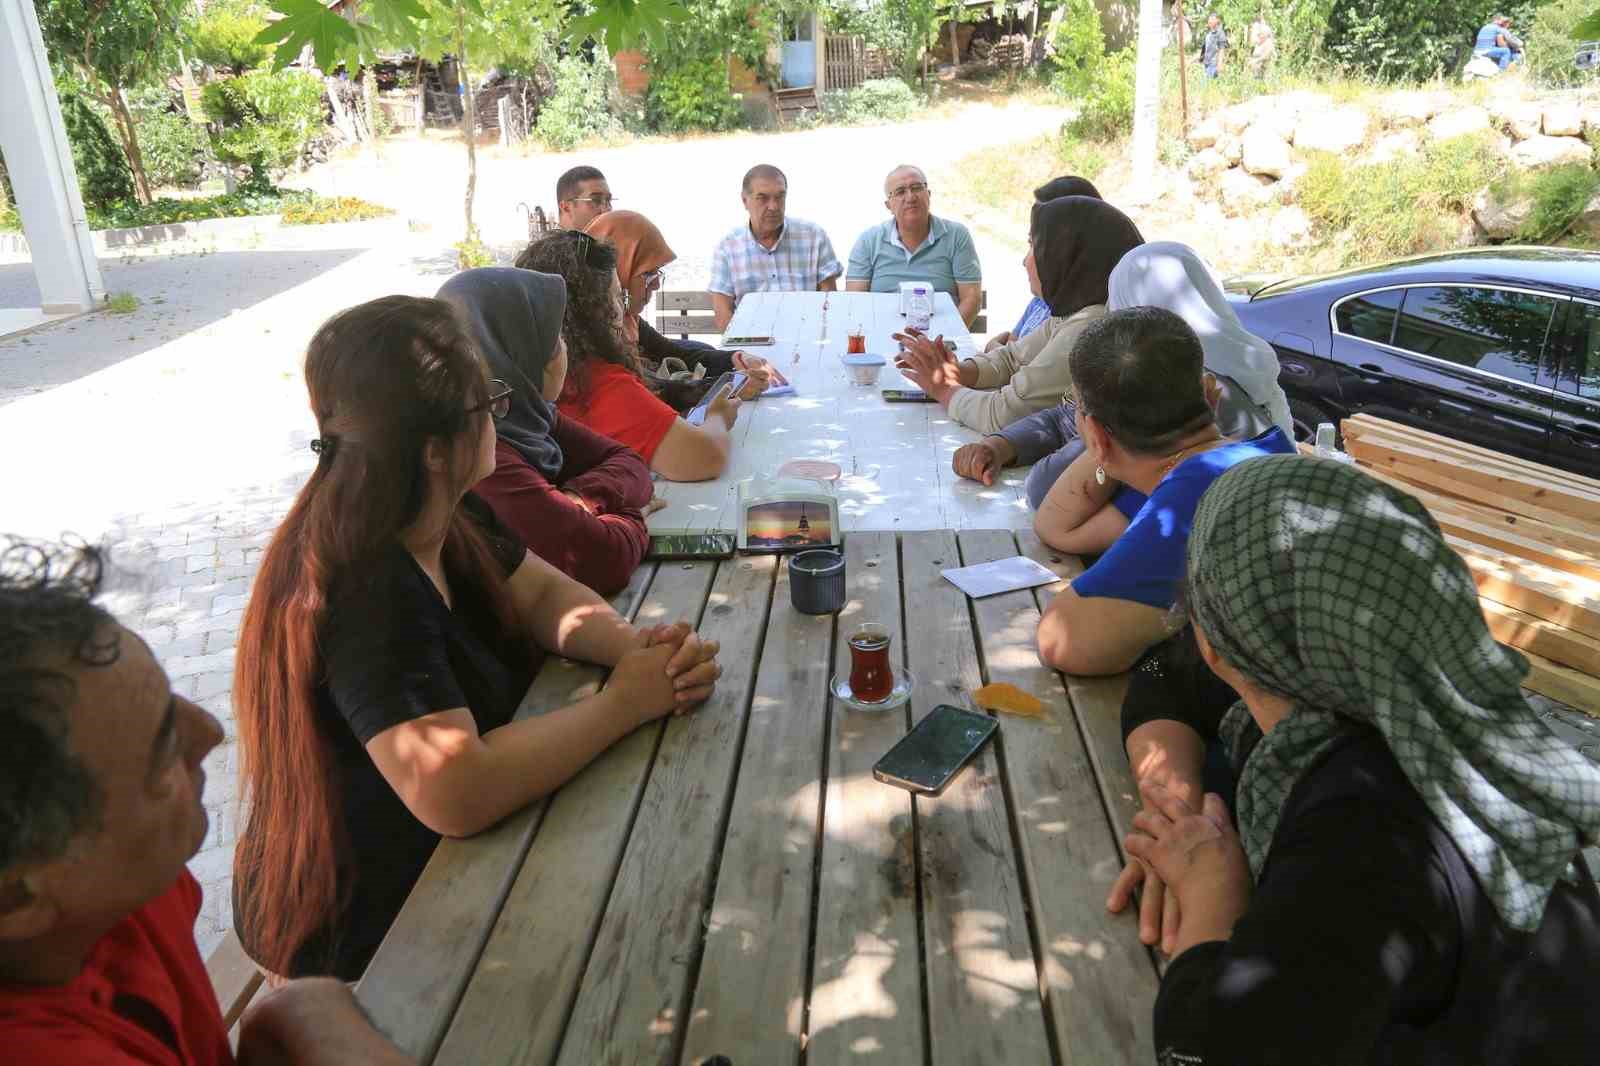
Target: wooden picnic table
x,y
895,458
735,882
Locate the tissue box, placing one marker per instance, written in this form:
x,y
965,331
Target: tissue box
x,y
787,514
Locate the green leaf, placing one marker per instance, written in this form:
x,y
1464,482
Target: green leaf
x,y
1589,28
307,22
623,23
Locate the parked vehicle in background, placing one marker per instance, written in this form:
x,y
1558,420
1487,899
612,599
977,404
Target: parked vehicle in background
x,y
1499,347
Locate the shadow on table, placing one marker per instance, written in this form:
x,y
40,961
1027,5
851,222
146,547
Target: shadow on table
x,y
177,294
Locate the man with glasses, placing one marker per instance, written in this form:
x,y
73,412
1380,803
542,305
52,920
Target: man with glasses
x,y
770,252
582,196
916,245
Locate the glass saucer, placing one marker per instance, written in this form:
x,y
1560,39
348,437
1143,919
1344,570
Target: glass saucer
x,y
903,683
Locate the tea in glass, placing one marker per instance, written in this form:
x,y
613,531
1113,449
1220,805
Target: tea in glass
x,y
857,342
871,677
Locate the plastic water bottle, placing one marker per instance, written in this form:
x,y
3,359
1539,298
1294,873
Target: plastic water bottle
x,y
1327,444
919,311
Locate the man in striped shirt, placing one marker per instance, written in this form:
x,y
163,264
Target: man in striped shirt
x,y
770,252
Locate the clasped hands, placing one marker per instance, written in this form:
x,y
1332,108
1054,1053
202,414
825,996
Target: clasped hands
x,y
692,666
930,365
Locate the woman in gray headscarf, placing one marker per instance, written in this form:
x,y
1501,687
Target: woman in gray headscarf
x,y
1406,883
576,498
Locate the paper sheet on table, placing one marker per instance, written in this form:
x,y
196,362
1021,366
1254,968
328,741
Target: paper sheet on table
x,y
1002,575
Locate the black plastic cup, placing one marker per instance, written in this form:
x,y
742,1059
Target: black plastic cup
x,y
816,581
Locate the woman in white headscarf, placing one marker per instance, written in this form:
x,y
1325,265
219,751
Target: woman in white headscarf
x,y
1172,275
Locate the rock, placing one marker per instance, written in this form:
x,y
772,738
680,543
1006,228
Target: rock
x,y
1242,191
1340,130
1264,153
1204,135
1591,119
1280,124
1232,149
1458,123
1518,117
1206,163
1237,119
1537,153
1407,108
1588,223
1562,119
1289,227
1396,145
1500,219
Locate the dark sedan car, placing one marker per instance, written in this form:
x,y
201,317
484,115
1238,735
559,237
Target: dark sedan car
x,y
1496,346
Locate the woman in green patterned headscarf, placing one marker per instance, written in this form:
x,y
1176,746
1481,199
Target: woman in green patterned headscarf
x,y
1406,882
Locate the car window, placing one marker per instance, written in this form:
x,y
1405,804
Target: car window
x,y
1369,316
1493,330
1588,330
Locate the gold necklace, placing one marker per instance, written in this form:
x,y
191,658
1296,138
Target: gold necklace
x,y
1178,456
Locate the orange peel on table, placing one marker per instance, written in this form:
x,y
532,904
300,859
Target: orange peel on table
x,y
1003,696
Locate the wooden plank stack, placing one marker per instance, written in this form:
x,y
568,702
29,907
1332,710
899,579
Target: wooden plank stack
x,y
1529,533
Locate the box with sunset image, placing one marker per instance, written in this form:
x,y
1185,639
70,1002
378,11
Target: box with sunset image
x,y
787,514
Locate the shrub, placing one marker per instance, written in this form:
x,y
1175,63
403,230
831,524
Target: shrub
x,y
1100,84
104,176
166,211
1551,41
580,107
1399,207
322,210
266,118
1559,196
879,100
473,253
122,303
1080,47
1400,40
692,95
224,37
1105,110
175,150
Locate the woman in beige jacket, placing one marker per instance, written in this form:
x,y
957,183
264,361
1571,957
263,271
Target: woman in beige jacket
x,y
1074,243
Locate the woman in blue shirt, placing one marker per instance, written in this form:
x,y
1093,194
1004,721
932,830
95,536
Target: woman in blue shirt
x,y
1146,413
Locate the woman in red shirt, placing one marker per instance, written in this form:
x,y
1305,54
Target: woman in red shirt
x,y
574,497
604,390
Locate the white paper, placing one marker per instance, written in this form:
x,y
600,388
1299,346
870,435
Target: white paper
x,y
1002,575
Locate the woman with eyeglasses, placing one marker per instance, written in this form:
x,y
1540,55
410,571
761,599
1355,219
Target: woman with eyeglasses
x,y
642,259
605,388
575,498
393,630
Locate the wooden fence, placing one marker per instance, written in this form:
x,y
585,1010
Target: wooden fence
x,y
848,61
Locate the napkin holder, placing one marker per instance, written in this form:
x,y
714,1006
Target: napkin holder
x,y
782,514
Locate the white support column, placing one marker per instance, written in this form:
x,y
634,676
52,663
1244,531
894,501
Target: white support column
x,y
1146,101
39,160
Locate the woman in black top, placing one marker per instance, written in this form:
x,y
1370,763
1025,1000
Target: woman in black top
x,y
1406,883
391,635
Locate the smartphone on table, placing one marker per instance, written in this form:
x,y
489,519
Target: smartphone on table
x,y
929,757
748,342
906,396
690,546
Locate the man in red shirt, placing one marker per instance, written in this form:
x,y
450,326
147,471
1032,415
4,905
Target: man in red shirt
x,y
100,787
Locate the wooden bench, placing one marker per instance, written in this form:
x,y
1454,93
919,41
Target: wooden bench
x,y
676,317
236,979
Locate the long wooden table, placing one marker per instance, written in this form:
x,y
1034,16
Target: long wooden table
x,y
734,882
895,458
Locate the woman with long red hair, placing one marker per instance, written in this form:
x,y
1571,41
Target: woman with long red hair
x,y
393,630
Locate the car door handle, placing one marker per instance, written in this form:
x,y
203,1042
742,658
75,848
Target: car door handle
x,y
1372,373
1372,368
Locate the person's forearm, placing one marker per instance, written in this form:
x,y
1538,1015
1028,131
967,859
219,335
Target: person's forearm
x,y
572,621
1074,499
1171,754
986,410
828,284
1034,437
721,309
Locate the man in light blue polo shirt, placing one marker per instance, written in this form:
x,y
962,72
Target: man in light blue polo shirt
x,y
772,252
915,245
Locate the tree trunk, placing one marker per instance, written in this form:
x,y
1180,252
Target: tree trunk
x,y
130,143
1147,92
955,45
470,117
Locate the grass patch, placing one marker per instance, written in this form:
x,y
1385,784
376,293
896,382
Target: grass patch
x,y
325,209
1401,207
122,303
10,221
306,207
472,253
1003,177
1559,196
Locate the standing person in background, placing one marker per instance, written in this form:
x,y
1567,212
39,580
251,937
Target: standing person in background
x,y
1213,45
99,811
576,499
917,245
582,196
1038,310
1263,44
769,252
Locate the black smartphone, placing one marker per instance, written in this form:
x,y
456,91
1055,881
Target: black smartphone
x,y
748,342
733,381
929,757
906,396
691,546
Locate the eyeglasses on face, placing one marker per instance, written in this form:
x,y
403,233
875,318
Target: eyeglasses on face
x,y
499,402
593,200
916,188
653,277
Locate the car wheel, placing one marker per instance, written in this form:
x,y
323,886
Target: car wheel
x,y
1306,417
